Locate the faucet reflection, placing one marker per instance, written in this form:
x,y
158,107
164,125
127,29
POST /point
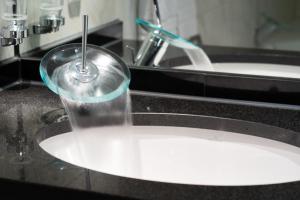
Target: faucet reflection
x,y
158,40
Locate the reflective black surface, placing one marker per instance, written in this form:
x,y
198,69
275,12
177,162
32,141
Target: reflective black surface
x,y
24,167
22,111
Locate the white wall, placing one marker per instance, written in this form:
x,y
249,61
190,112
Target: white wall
x,y
99,11
6,52
233,22
298,9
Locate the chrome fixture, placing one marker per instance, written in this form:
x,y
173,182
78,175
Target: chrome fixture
x,y
151,51
152,48
158,40
13,27
50,18
48,25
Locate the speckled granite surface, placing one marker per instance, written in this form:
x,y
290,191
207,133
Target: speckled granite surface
x,y
22,107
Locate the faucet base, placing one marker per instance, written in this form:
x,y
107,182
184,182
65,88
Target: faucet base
x,y
48,25
13,33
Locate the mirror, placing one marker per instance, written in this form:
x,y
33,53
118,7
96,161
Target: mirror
x,y
237,23
228,28
237,28
267,24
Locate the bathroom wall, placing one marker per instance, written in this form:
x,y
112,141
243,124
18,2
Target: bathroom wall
x,y
100,12
220,22
233,22
6,52
298,9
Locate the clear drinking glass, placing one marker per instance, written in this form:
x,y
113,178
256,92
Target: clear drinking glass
x,y
13,10
51,8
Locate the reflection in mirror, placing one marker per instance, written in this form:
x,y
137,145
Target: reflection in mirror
x,y
268,24
158,39
165,33
156,44
74,7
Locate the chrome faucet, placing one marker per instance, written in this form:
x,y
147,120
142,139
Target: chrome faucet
x,y
152,48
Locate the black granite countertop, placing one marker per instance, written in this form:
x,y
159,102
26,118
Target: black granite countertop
x,y
21,111
23,105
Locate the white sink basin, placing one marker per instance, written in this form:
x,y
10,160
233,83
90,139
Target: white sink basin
x,y
260,69
179,155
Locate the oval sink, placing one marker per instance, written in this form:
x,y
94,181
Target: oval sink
x,y
259,69
207,151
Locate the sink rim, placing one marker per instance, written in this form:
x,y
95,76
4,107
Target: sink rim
x,y
269,70
208,122
266,131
